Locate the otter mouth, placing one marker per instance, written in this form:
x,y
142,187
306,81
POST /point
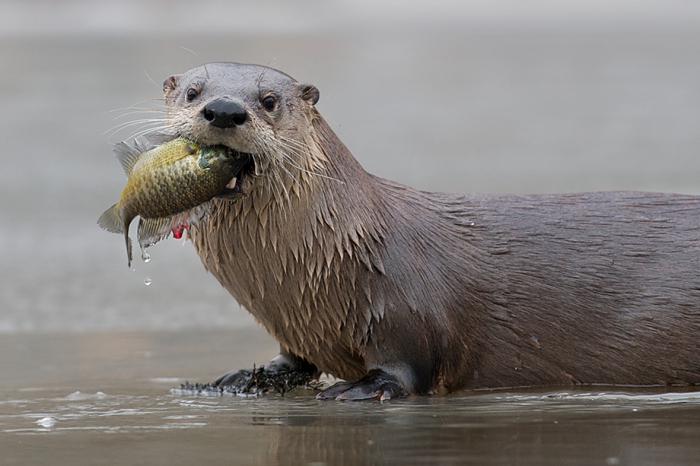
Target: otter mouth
x,y
238,186
244,169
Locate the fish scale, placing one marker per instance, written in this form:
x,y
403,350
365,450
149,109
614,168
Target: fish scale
x,y
166,182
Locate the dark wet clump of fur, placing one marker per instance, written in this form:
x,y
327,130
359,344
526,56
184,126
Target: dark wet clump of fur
x,y
256,382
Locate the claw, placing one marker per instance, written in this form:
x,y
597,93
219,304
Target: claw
x,y
359,393
332,392
376,385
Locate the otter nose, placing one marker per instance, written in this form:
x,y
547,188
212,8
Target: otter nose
x,y
224,113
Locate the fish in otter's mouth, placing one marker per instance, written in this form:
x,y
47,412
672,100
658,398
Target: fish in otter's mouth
x,y
265,123
236,188
170,184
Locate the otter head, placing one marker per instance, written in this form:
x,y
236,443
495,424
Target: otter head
x,y
251,109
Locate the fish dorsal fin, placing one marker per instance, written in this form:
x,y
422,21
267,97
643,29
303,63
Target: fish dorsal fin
x,y
152,230
152,140
127,154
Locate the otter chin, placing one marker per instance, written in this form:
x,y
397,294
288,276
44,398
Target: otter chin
x,y
400,291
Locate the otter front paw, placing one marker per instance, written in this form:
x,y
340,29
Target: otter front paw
x,y
257,381
262,380
376,385
239,378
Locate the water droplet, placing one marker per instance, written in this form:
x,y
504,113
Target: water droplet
x,y
145,256
148,281
47,422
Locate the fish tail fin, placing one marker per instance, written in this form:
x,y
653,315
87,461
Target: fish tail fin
x,y
111,220
128,248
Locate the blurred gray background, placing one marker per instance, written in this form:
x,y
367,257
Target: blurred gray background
x,y
471,96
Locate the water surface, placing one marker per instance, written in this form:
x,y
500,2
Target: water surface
x,y
467,97
115,407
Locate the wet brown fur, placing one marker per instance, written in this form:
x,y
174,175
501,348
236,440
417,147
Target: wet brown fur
x,y
449,291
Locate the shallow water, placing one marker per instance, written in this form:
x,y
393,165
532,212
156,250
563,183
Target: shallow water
x,y
113,405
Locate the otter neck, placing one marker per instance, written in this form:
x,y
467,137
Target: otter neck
x,y
295,250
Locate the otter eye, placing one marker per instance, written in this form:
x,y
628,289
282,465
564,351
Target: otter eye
x,y
192,93
269,103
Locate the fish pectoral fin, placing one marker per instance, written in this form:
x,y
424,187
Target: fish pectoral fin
x,y
152,230
111,220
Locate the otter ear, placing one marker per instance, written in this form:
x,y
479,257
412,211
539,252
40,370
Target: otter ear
x,y
171,83
309,93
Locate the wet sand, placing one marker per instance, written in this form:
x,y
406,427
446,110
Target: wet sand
x,y
442,102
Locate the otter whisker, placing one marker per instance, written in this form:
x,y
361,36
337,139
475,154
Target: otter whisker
x,y
292,143
134,107
130,107
150,78
288,159
124,125
142,121
291,176
188,50
157,129
138,121
134,128
301,151
263,147
141,129
139,111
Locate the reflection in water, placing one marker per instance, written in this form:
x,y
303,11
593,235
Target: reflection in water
x,y
488,429
94,395
491,428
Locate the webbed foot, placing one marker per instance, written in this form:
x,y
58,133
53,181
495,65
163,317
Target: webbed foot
x,y
376,385
262,380
284,373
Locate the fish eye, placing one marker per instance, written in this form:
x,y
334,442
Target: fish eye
x,y
269,102
192,93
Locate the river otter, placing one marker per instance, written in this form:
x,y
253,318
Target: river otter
x,y
400,291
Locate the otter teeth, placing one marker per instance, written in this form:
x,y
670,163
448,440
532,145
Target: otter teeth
x,y
231,184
